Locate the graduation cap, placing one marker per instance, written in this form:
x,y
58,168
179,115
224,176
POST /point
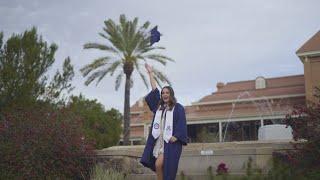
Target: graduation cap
x,y
155,35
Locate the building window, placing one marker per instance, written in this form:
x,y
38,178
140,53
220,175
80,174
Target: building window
x,y
260,83
212,129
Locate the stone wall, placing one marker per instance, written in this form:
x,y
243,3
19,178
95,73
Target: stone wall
x,y
197,157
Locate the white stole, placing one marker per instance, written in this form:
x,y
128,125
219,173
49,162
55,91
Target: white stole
x,y
168,127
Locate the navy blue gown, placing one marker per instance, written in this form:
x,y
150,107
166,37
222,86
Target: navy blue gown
x,y
172,151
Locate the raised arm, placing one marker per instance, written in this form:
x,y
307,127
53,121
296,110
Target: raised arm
x,y
151,76
153,97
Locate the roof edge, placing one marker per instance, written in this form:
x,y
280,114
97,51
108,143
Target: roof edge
x,y
271,78
309,54
246,99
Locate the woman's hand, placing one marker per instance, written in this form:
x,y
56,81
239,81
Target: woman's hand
x,y
148,68
173,139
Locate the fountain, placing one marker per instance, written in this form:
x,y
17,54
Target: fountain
x,y
262,107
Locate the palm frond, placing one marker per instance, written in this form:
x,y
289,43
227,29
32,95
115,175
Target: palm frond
x,y
94,65
134,37
140,57
135,23
93,76
143,77
115,35
144,45
123,20
157,47
101,73
99,46
124,31
112,68
118,80
103,35
135,42
159,58
141,39
147,49
145,25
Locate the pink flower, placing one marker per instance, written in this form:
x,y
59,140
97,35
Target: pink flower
x,y
222,169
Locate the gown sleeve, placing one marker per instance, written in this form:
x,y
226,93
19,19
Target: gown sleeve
x,y
152,100
181,131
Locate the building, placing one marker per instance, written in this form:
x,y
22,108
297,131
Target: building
x,y
237,109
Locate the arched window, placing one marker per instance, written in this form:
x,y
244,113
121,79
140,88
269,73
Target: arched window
x,y
260,83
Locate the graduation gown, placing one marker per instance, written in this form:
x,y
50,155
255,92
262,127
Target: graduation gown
x,y
172,151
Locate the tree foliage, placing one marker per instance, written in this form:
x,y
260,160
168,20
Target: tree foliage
x,y
126,46
303,162
101,126
25,60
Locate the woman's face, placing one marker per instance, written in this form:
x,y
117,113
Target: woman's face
x,y
165,95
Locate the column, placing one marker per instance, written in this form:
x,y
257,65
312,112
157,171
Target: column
x,y
220,131
261,122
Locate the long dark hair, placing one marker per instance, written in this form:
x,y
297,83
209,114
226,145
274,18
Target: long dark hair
x,y
172,98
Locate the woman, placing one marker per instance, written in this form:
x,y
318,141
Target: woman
x,y
167,134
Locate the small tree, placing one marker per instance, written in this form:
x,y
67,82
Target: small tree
x,y
24,62
101,126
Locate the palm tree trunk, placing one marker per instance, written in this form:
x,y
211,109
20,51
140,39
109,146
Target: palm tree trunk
x,y
126,118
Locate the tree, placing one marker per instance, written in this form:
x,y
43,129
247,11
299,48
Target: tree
x,y
101,126
24,62
126,46
304,160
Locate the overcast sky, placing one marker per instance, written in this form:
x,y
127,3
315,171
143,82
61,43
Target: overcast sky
x,y
211,41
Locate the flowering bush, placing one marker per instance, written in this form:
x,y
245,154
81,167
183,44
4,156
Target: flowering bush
x,y
304,160
222,169
305,122
40,143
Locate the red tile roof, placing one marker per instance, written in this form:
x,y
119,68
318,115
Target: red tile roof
x,y
313,44
288,85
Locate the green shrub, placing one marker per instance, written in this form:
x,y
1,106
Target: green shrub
x,y
101,126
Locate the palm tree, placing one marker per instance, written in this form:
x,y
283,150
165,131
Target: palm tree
x,y
126,46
